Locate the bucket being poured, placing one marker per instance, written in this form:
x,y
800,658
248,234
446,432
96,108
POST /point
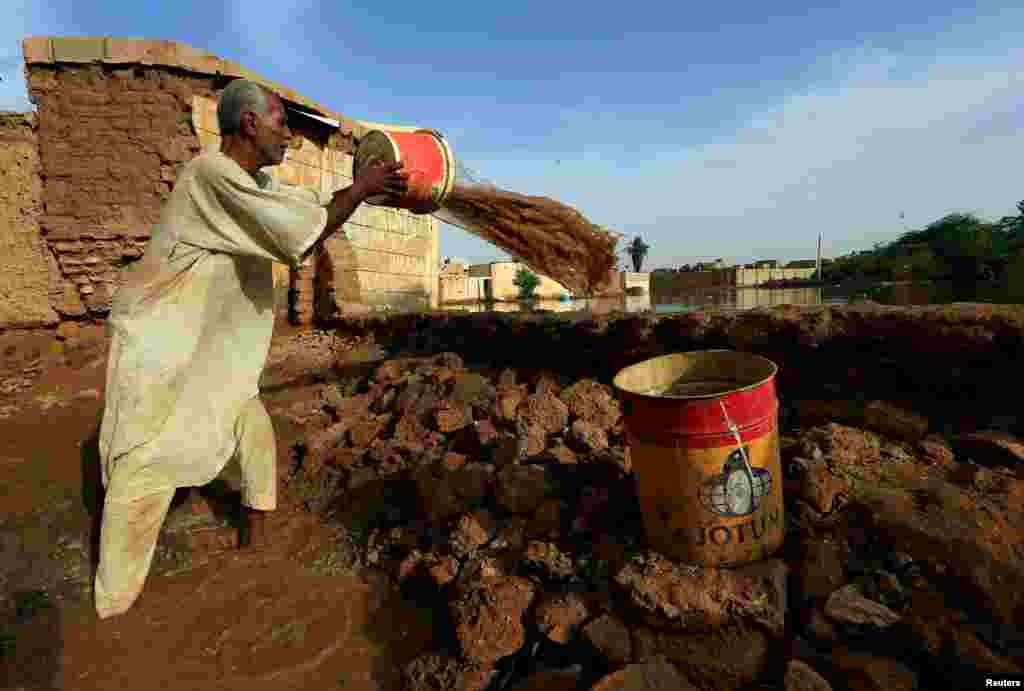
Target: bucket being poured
x,y
703,434
428,159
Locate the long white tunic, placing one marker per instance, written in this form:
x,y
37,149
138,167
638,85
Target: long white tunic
x,y
192,322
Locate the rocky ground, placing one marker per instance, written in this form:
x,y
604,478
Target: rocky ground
x,y
508,498
447,525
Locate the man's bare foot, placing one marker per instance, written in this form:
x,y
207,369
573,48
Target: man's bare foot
x,y
255,528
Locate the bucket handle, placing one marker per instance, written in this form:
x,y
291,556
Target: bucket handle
x,y
739,442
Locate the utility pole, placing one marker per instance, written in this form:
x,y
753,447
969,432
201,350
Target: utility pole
x,y
817,265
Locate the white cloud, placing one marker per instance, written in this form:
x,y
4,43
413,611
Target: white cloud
x,y
25,18
885,134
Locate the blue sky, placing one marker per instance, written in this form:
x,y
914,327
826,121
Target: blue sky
x,y
726,129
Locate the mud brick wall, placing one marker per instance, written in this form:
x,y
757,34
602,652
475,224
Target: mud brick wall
x,y
111,140
24,258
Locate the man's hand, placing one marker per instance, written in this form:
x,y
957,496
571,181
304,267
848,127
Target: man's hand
x,y
381,178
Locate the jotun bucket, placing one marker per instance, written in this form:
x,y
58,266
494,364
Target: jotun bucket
x,y
703,433
427,157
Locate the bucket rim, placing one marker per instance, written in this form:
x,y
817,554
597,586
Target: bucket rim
x,y
773,369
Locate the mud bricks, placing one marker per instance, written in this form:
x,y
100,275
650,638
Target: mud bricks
x,y
111,140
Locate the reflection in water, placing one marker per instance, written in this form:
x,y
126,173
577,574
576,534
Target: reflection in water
x,y
724,298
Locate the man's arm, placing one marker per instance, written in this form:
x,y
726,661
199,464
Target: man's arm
x,y
379,178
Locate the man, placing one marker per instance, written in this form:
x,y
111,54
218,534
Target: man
x,y
190,332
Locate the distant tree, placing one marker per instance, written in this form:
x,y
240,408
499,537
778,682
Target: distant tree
x,y
637,251
527,282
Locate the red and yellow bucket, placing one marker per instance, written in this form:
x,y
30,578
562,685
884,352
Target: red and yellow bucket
x,y
428,159
703,433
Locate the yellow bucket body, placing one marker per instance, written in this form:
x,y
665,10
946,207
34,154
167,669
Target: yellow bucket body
x,y
707,497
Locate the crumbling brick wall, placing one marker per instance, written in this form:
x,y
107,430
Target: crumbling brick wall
x,y
24,279
111,140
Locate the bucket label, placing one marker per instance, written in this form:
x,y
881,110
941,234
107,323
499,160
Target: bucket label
x,y
702,505
733,492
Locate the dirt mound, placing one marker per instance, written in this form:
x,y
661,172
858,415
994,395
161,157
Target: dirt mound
x,y
483,492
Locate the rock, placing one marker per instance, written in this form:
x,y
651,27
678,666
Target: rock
x,y
941,633
771,577
520,489
444,571
562,453
977,546
818,625
386,457
411,434
816,484
435,672
384,403
409,565
894,422
935,450
846,446
445,494
692,598
800,677
728,658
610,637
507,403
453,461
547,556
478,572
473,482
559,615
511,535
990,447
452,418
820,570
506,451
474,438
323,444
657,674
587,438
473,530
974,476
342,458
360,477
363,432
545,411
547,520
866,672
389,371
551,680
593,403
489,620
531,439
848,606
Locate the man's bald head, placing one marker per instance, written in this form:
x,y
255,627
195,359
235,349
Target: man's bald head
x,y
238,97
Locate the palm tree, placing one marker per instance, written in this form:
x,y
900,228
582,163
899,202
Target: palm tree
x,y
637,251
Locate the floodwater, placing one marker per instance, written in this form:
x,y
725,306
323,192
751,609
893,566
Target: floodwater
x,y
724,298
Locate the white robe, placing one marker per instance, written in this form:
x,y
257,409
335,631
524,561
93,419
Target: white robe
x,y
192,322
